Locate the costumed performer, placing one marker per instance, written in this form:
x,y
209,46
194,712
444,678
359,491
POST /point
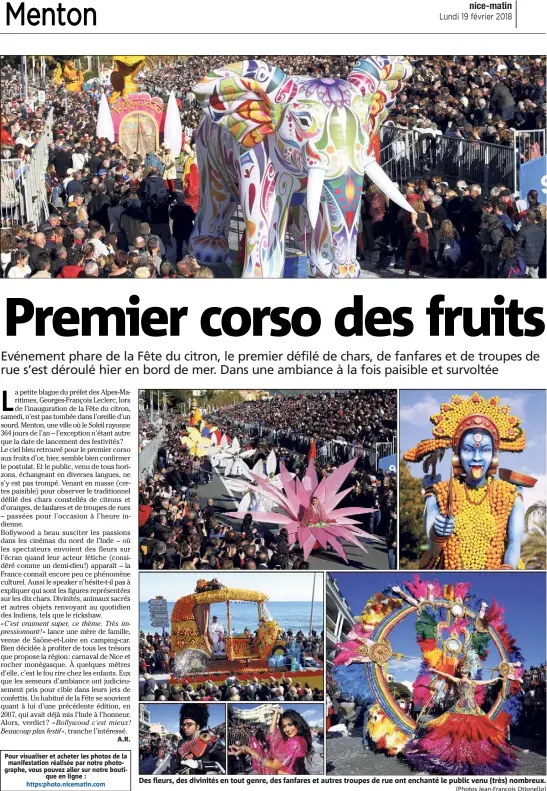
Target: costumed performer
x,y
197,745
284,750
314,515
473,520
190,178
463,740
216,630
57,76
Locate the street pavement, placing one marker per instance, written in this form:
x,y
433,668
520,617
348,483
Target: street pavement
x,y
369,270
373,557
348,757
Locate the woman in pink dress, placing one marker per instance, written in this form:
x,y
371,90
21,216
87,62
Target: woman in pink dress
x,y
315,516
284,750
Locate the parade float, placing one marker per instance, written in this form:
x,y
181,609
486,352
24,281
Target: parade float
x,y
252,500
292,151
139,121
72,78
474,520
307,509
125,69
455,633
259,654
135,119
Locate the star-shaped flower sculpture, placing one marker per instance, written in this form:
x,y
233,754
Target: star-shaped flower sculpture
x,y
308,509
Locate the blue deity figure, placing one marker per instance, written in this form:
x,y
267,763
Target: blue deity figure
x,y
474,520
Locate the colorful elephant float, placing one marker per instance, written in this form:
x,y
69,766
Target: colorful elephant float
x,y
292,151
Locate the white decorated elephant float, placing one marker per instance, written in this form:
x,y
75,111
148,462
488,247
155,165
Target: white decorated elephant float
x,y
283,145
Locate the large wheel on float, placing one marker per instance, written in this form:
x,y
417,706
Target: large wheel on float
x,y
381,651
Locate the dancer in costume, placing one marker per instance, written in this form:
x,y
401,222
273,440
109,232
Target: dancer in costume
x,y
474,520
453,632
229,458
314,515
198,746
254,500
463,740
284,750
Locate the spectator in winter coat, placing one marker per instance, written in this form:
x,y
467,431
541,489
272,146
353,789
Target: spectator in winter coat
x,y
502,101
75,185
438,216
530,242
511,265
491,235
449,249
183,222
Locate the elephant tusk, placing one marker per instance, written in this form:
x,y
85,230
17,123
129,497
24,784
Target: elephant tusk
x,y
388,187
316,177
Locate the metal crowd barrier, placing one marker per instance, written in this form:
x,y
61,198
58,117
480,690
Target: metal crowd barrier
x,y
487,164
149,454
23,195
411,153
12,193
528,145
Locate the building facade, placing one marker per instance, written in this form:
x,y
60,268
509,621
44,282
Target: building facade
x,y
338,621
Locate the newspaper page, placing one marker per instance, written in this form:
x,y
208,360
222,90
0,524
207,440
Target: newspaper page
x,y
256,532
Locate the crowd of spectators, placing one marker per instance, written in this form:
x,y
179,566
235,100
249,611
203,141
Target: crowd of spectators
x,y
488,92
155,659
458,231
112,215
153,745
356,417
532,721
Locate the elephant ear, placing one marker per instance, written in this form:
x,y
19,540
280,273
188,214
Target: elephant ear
x,y
380,78
239,97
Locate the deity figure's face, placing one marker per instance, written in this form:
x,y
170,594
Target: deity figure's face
x,y
476,453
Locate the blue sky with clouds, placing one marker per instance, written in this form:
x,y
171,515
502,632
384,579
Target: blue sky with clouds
x,y
416,407
168,714
522,595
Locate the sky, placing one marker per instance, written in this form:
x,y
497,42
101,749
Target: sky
x,y
521,593
416,407
278,586
168,715
311,712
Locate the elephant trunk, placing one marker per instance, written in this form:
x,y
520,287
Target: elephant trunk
x,y
388,187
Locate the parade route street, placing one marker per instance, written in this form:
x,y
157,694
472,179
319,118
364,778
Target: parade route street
x,y
346,756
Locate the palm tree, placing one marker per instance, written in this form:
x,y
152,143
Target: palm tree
x,y
208,397
537,511
533,545
411,510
